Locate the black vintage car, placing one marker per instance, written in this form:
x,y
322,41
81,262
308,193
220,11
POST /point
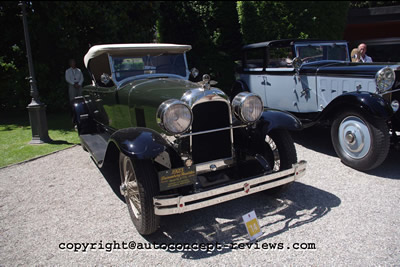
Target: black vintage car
x,y
179,145
316,81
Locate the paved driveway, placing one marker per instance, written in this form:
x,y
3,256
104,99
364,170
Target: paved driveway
x,y
333,216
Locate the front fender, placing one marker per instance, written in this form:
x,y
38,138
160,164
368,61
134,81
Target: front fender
x,y
142,143
250,139
368,103
275,119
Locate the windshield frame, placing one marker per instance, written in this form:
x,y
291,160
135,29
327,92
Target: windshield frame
x,y
144,76
298,45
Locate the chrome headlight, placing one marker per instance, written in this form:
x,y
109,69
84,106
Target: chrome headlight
x,y
174,116
247,107
384,79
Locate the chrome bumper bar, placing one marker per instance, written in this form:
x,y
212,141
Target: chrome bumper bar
x,y
181,204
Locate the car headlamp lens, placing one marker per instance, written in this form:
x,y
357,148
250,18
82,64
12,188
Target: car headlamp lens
x,y
247,107
384,79
174,116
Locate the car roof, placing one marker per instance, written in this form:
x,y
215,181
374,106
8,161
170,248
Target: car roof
x,y
287,42
123,49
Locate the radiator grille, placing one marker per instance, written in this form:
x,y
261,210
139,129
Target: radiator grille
x,y
210,146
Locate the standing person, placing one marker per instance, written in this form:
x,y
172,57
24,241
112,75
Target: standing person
x,y
363,57
74,78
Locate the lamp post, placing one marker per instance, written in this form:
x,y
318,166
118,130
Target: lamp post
x,y
36,109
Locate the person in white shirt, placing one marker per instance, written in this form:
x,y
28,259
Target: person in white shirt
x,y
363,57
74,78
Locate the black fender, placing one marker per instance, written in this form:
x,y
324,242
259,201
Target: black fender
x,y
82,117
249,139
371,105
238,87
143,143
276,119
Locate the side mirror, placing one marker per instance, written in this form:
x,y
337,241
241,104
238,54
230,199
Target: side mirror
x,y
297,62
194,72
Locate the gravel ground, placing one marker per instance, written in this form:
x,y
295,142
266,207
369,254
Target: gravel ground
x,y
351,217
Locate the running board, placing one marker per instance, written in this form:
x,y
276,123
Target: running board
x,y
96,145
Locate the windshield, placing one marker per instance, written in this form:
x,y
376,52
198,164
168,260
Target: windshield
x,y
128,66
317,52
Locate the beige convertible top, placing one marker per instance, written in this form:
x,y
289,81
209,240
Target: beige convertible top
x,y
123,49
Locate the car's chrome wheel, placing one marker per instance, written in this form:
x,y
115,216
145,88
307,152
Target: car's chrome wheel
x,y
275,153
139,184
280,153
361,142
129,187
354,137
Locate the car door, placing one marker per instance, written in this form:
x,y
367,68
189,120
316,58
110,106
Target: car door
x,y
105,99
280,80
306,93
253,71
102,94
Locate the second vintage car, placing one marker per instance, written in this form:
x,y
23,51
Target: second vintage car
x,y
179,145
315,81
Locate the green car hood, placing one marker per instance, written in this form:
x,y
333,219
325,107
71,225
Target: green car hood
x,y
152,92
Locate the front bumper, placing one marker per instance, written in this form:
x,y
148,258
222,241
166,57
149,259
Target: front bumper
x,y
164,205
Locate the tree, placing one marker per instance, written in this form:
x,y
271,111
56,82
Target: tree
x,y
271,20
212,28
59,31
14,89
368,4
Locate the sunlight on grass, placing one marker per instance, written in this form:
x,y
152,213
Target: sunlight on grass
x,y
15,135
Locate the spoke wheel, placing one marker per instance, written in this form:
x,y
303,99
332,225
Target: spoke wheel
x,y
130,187
274,158
139,184
280,153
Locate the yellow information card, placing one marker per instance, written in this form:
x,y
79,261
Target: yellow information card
x,y
252,225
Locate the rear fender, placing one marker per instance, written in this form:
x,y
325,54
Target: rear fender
x,y
82,117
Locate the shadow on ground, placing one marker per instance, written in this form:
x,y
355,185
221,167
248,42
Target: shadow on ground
x,y
318,139
111,174
223,223
390,168
315,138
61,142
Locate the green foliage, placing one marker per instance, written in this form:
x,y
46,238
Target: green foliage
x,y
271,20
212,28
216,30
367,4
58,31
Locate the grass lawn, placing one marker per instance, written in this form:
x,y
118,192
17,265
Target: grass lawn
x,y
16,133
